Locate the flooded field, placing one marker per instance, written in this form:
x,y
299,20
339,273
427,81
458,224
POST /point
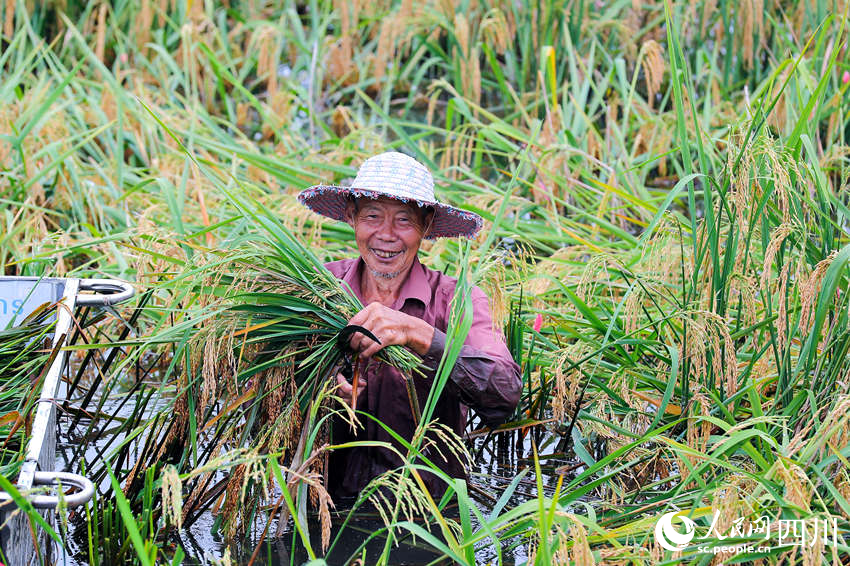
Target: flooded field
x,y
500,460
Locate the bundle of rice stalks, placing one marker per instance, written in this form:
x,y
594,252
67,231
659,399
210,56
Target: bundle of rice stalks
x,y
24,355
275,332
282,308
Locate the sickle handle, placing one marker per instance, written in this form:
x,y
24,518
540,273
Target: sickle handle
x,y
346,333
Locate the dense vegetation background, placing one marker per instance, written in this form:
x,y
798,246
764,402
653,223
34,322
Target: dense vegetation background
x,y
664,187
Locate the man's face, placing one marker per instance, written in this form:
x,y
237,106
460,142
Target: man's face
x,y
388,233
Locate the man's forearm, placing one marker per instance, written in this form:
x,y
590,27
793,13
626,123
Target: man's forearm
x,y
487,382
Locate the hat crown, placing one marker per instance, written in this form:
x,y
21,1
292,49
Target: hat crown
x,y
397,175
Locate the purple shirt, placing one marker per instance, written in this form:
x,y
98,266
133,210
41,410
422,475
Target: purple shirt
x,y
485,378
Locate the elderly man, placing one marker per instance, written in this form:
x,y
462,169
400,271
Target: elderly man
x,y
391,207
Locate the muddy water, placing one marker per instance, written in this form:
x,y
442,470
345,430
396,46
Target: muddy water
x,y
497,461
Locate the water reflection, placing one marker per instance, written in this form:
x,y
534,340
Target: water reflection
x,y
361,542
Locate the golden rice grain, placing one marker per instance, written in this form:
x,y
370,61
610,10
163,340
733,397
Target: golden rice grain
x,y
9,19
654,66
267,44
100,41
384,52
776,238
494,30
144,23
581,555
172,496
339,62
561,556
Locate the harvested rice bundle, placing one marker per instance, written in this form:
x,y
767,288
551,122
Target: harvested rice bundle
x,y
275,332
280,324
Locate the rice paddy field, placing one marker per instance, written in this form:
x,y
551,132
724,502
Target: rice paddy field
x,y
665,193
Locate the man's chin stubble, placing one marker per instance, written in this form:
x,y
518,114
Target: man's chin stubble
x,y
383,275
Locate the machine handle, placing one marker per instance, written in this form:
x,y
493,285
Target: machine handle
x,y
107,292
40,501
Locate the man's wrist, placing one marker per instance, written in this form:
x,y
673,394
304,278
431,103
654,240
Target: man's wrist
x,y
421,336
435,351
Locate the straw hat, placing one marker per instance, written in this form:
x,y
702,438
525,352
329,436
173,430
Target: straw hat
x,y
397,176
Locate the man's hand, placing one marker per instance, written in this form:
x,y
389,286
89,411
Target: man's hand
x,y
391,327
346,389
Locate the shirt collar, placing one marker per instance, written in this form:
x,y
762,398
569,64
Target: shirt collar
x,y
352,277
415,286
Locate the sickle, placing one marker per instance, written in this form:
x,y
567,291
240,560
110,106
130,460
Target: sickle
x,y
346,333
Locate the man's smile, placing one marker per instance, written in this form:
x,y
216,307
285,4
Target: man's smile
x,y
386,254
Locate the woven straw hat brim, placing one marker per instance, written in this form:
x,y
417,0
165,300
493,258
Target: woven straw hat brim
x,y
449,222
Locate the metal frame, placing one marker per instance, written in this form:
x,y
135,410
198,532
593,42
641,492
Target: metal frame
x,y
37,469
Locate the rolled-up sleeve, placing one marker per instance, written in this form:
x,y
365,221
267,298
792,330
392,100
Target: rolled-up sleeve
x,y
485,376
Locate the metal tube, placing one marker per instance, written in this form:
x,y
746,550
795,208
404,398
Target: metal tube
x,y
106,292
43,501
42,431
